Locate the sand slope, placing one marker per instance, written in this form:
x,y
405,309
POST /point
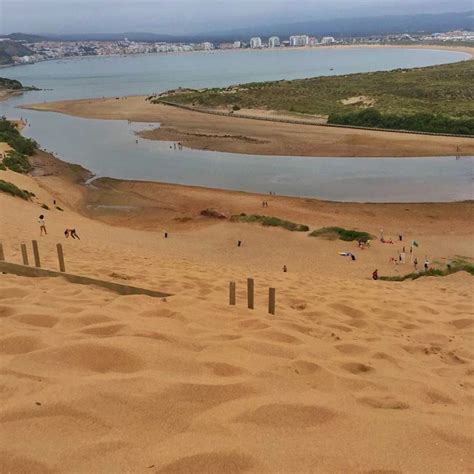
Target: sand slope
x,y
351,375
349,378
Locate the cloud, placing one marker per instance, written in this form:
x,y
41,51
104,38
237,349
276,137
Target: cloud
x,y
190,16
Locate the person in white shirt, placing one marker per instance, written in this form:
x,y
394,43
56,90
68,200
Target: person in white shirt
x,y
42,225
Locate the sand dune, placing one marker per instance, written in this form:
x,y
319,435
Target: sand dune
x,y
374,379
351,375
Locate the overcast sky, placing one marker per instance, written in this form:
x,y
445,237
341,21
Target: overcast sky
x,y
192,16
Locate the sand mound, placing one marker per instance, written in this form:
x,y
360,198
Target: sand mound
x,y
136,383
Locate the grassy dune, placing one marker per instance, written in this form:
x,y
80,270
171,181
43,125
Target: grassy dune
x,y
442,91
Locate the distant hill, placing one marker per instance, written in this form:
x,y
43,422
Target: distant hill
x,y
337,27
25,37
132,36
8,49
367,26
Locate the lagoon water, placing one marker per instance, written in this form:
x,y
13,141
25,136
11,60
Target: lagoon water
x,y
108,148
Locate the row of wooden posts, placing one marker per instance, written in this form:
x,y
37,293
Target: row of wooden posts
x,y
251,295
36,255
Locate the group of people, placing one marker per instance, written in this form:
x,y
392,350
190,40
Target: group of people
x,y
401,258
67,233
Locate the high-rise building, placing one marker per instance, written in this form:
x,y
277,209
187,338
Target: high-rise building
x,y
299,40
255,43
237,44
273,42
328,40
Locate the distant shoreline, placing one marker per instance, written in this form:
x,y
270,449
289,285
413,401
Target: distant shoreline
x,y
435,47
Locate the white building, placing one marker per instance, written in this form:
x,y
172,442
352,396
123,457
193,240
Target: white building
x,y
273,42
299,40
207,46
237,44
328,40
255,43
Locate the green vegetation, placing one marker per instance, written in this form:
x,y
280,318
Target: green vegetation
x,y
269,221
17,162
10,134
333,233
14,190
11,84
454,268
420,122
436,98
16,159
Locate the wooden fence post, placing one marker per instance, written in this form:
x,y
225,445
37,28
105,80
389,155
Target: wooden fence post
x,y
232,293
250,293
24,254
36,253
271,300
2,254
62,267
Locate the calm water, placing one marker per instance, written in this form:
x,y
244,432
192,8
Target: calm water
x,y
108,148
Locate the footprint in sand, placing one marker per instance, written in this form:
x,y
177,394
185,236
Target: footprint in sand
x,y
20,344
384,402
90,357
357,368
109,330
224,370
217,462
351,349
348,310
7,311
39,320
462,323
282,415
12,292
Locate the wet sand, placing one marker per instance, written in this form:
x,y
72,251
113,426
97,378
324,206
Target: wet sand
x,y
242,135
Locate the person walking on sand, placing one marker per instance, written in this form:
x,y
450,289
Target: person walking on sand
x,y
375,275
285,269
42,225
415,263
427,265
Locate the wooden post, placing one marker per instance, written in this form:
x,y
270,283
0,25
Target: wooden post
x,y
232,293
36,253
2,254
62,267
24,254
271,300
250,293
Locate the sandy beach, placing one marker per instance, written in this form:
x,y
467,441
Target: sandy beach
x,y
350,375
242,135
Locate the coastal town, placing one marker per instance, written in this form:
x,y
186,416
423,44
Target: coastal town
x,y
24,52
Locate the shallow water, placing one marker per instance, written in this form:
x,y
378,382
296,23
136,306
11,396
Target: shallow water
x,y
109,148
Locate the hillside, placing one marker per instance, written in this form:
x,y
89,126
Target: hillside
x,y
11,84
8,49
446,90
